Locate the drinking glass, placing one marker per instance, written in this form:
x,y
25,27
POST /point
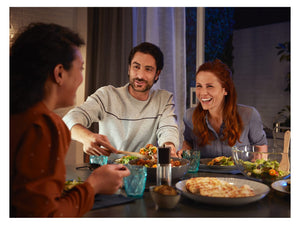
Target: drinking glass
x,y
194,158
135,183
101,159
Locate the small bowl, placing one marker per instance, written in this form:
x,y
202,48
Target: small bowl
x,y
164,201
260,166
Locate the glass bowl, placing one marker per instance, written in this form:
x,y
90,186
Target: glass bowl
x,y
265,167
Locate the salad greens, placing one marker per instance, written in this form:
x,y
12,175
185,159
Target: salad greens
x,y
221,161
126,159
69,184
262,169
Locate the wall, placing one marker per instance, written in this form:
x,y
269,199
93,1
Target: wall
x,y
75,19
258,75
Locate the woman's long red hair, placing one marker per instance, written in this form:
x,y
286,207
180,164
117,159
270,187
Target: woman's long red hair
x,y
233,122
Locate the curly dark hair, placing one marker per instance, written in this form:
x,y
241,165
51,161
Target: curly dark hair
x,y
149,48
33,56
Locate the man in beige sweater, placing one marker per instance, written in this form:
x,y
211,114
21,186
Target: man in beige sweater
x,y
131,116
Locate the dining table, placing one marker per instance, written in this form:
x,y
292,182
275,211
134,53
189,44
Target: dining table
x,y
275,204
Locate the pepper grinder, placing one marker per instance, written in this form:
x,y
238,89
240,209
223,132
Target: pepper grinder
x,y
163,170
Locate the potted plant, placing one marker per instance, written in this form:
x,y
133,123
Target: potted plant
x,y
284,115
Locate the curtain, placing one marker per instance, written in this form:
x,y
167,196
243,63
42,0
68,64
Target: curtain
x,y
165,27
108,46
109,42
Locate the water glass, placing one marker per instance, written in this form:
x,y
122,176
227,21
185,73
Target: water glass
x,y
194,158
101,159
135,183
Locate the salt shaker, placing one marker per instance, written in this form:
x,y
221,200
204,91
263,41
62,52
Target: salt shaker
x,y
164,170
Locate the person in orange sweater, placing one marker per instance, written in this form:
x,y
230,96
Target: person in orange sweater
x,y
45,71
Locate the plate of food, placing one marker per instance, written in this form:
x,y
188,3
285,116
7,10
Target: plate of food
x,y
149,150
179,166
261,166
283,186
222,190
69,184
221,163
126,159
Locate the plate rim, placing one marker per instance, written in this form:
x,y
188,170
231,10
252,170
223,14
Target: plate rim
x,y
204,161
273,185
215,167
225,200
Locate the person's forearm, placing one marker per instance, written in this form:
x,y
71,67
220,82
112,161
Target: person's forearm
x,y
262,148
93,143
78,132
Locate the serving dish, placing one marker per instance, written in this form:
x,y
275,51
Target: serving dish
x,y
260,166
260,190
177,171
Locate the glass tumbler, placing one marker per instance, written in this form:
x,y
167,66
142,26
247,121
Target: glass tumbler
x,y
194,158
101,159
135,183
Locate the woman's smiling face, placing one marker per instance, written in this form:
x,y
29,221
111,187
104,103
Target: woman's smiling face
x,y
209,91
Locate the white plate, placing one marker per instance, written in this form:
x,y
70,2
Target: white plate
x,y
280,186
260,190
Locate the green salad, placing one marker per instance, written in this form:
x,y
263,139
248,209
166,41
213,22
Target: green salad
x,y
263,169
221,161
126,159
69,184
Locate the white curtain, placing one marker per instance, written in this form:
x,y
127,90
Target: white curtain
x,y
165,27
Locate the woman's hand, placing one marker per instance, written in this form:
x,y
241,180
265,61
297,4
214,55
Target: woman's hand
x,y
108,179
185,146
179,153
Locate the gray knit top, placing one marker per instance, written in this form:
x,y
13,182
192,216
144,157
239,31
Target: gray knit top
x,y
128,123
252,134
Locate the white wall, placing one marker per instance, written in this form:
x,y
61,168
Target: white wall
x,y
75,19
259,77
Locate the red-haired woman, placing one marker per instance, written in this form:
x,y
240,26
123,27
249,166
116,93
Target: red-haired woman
x,y
217,123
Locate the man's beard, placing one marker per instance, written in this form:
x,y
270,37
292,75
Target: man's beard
x,y
138,89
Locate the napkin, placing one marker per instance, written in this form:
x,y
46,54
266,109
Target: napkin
x,y
103,201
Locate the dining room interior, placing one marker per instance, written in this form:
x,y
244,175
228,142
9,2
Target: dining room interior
x,y
248,39
253,41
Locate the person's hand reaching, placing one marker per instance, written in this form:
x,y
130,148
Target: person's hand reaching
x,y
108,179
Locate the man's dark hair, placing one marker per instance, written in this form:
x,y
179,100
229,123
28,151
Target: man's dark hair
x,y
33,56
151,49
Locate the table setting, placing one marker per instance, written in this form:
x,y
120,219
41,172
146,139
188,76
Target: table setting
x,y
269,184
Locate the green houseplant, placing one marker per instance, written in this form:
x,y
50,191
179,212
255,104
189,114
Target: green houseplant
x,y
285,56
